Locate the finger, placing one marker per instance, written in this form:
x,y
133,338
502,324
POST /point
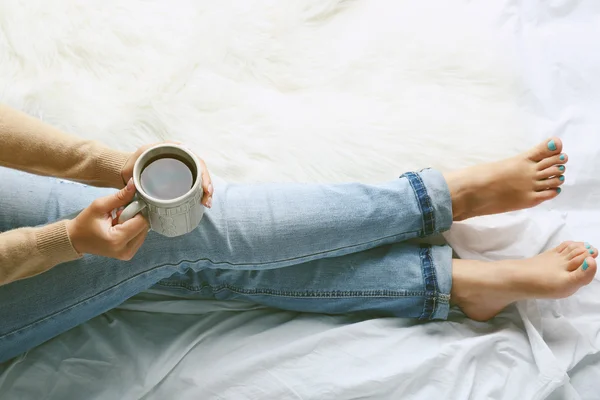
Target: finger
x,y
132,247
137,242
131,228
116,214
207,185
119,199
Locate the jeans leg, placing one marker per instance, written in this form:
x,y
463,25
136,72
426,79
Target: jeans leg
x,y
269,225
278,225
402,279
250,227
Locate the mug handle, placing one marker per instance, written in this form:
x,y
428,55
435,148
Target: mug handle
x,y
131,210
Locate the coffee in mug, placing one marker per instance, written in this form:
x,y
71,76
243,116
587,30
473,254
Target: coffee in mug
x,y
167,177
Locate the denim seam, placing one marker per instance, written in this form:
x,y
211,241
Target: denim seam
x,y
424,202
431,286
322,253
297,294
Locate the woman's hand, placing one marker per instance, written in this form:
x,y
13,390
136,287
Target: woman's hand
x,y
93,231
207,186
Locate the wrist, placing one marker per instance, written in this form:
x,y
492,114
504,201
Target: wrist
x,y
127,169
74,236
54,244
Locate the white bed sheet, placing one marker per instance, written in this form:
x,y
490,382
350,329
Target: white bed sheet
x,y
217,350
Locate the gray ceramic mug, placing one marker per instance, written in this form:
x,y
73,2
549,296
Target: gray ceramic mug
x,y
173,217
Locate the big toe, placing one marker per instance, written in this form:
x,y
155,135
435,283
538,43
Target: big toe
x,y
546,149
585,273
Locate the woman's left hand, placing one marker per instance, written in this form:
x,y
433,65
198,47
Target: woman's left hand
x,y
207,187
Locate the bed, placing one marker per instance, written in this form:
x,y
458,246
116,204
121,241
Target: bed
x,y
323,90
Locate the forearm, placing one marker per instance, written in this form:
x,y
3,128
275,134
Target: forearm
x,y
31,145
27,252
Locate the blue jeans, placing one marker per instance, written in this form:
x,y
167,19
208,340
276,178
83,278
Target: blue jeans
x,y
304,247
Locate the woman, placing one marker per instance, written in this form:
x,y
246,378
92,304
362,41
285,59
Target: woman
x,y
312,248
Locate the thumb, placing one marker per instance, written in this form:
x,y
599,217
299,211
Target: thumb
x,y
119,199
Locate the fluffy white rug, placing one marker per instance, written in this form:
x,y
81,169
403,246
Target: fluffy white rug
x,y
269,90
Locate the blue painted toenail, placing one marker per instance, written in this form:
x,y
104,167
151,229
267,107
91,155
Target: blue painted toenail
x,y
585,265
561,168
552,145
558,190
561,178
587,245
591,251
562,157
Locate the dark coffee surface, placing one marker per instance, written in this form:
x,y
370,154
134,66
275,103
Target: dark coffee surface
x,y
166,179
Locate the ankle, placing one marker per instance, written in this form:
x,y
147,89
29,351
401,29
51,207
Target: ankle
x,y
459,195
464,281
472,279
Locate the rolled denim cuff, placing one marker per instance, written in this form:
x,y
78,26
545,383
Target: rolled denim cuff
x,y
433,197
436,263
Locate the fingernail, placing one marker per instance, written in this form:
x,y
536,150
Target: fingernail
x,y
209,202
130,184
587,245
552,145
558,190
562,157
561,168
585,265
210,189
561,178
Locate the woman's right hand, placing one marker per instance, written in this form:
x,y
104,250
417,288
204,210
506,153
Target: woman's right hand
x,y
94,231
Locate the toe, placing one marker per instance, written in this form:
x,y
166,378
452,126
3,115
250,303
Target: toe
x,y
546,149
576,247
551,183
557,160
584,272
565,246
555,170
577,250
591,250
545,195
570,246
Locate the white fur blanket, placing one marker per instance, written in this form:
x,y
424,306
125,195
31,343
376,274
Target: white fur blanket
x,y
323,90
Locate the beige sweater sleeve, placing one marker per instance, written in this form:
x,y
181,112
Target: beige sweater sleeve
x,y
26,252
30,145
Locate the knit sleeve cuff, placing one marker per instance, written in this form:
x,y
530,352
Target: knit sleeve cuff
x,y
109,165
54,244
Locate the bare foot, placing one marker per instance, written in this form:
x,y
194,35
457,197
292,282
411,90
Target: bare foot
x,y
483,289
516,183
